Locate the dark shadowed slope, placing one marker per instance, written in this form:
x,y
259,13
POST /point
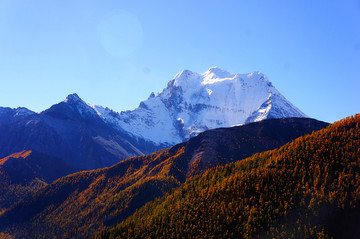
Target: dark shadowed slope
x,y
70,130
25,172
85,202
225,145
309,188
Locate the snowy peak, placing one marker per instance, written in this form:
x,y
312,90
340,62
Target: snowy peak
x,y
188,79
9,114
217,73
185,79
22,111
73,99
75,102
191,80
73,107
194,102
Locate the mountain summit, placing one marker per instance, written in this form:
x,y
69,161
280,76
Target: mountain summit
x,y
89,136
193,102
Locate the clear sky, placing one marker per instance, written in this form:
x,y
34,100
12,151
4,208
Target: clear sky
x,y
115,53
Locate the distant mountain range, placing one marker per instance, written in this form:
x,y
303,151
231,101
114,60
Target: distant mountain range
x,y
84,203
87,136
70,130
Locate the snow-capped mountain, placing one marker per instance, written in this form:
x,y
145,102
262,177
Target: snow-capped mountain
x,y
89,136
192,103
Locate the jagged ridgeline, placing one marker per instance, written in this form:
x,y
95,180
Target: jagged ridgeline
x,y
309,188
88,136
192,103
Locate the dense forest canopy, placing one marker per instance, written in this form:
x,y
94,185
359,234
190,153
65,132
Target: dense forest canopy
x,y
309,188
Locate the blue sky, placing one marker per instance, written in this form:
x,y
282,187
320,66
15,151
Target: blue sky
x,y
115,53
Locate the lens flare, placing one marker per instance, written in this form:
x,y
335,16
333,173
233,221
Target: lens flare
x,y
120,34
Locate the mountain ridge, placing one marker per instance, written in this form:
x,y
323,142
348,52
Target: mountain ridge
x,y
90,136
70,130
85,202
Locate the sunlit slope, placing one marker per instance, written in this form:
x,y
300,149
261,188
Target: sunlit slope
x,y
86,202
309,188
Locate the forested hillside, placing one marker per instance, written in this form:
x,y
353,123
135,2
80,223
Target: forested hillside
x,y
309,188
25,172
84,203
